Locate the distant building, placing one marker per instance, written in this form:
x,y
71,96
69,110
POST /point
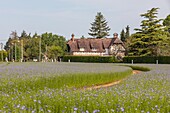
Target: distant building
x,y
96,47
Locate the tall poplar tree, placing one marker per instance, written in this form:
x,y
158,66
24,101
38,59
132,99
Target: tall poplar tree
x,y
122,35
99,28
127,34
148,39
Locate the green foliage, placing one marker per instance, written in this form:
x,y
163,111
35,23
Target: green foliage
x,y
50,39
8,44
33,44
122,35
127,34
78,80
148,59
144,92
166,23
97,59
31,48
24,35
13,48
99,28
140,68
55,51
147,40
14,35
3,55
125,38
164,49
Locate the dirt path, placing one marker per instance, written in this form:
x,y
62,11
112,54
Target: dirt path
x,y
110,84
136,72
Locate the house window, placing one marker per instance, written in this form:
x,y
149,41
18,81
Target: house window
x,y
81,49
94,49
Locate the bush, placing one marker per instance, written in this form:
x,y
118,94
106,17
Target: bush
x,y
148,59
3,55
93,59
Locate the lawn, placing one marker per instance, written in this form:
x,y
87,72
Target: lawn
x,y
55,87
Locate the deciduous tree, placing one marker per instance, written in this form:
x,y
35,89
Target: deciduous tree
x,y
54,52
31,45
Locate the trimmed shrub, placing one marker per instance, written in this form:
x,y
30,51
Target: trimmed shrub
x,y
148,59
93,59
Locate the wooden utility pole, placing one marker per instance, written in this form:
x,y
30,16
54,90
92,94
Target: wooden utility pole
x,y
2,59
40,50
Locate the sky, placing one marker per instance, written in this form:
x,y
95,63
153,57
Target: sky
x,y
64,17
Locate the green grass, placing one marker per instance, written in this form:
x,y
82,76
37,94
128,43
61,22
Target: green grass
x,y
58,93
140,68
137,67
61,81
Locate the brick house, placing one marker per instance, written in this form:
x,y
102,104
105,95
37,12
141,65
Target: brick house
x,y
96,46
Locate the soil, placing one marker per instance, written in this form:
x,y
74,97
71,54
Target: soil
x,y
110,84
136,71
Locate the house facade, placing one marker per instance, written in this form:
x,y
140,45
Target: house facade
x,y
96,46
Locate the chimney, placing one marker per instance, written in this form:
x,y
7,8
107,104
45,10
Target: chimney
x,y
72,37
115,35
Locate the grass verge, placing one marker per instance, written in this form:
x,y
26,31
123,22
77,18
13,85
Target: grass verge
x,y
64,81
140,68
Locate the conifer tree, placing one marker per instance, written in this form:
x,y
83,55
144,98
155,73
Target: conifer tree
x,y
99,28
127,34
165,49
166,23
147,40
23,34
122,35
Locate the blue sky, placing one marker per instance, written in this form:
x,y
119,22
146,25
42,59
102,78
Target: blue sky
x,y
64,17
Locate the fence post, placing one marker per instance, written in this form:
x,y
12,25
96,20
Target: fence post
x,y
157,62
132,61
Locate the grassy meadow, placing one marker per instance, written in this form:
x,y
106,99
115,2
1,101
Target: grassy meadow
x,y
57,88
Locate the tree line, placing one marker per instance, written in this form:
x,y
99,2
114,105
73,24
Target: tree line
x,y
151,39
38,47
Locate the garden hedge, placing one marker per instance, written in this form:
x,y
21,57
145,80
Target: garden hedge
x,y
93,59
148,59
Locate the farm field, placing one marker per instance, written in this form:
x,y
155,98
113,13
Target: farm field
x,y
61,88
